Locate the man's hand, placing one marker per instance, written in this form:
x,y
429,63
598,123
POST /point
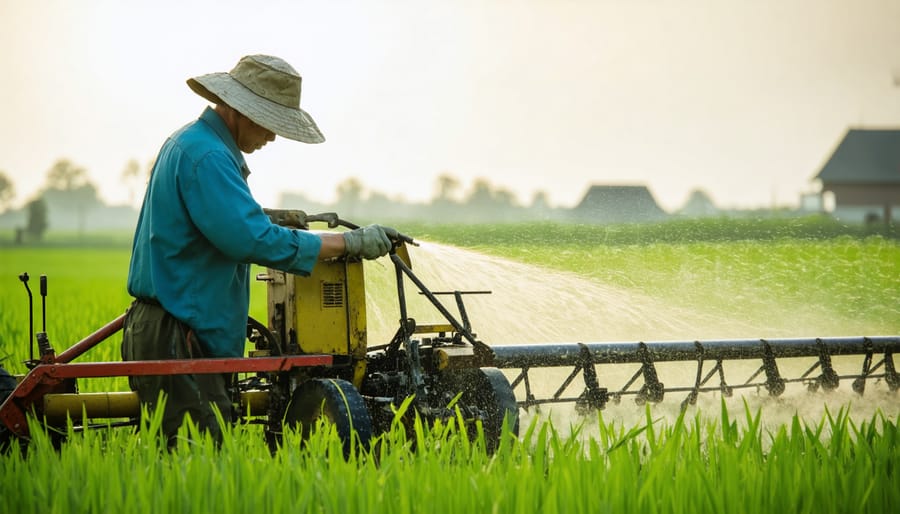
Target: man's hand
x,y
369,242
288,218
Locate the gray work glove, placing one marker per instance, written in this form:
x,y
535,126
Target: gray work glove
x,y
369,242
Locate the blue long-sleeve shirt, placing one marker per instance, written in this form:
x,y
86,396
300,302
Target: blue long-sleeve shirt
x,y
200,229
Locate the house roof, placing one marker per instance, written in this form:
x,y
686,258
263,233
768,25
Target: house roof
x,y
618,203
866,156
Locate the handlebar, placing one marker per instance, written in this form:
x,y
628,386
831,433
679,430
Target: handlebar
x,y
296,218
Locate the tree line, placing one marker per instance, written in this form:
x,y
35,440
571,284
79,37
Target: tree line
x,y
449,202
69,190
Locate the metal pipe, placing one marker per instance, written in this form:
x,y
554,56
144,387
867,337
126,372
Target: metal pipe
x,y
126,404
90,341
95,405
569,354
43,282
24,278
401,267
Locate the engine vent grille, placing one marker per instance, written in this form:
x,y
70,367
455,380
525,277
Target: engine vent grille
x,y
332,295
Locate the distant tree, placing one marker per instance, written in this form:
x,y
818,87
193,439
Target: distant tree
x,y
482,194
131,177
486,202
349,197
350,190
380,205
504,198
36,218
66,176
7,191
446,188
69,188
540,201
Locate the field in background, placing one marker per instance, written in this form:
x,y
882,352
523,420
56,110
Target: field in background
x,y
810,274
729,461
793,275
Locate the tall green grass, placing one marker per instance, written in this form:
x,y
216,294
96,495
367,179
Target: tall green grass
x,y
692,465
86,290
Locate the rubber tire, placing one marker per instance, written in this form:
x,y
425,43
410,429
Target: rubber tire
x,y
7,386
336,400
487,390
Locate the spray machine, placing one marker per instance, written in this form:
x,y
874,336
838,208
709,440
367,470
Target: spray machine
x,y
312,361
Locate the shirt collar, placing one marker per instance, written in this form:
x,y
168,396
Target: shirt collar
x,y
215,122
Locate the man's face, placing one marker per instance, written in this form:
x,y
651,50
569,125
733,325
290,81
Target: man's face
x,y
250,136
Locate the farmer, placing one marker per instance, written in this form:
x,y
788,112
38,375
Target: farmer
x,y
200,229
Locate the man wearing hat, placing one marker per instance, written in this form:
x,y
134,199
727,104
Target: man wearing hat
x,y
200,230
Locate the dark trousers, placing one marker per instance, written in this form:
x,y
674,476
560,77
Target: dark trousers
x,y
151,333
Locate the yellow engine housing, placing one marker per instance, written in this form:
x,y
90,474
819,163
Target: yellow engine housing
x,y
324,313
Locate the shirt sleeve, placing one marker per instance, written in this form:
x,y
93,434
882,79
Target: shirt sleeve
x,y
220,205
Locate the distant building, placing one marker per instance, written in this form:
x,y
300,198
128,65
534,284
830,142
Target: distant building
x,y
699,205
618,204
812,203
863,176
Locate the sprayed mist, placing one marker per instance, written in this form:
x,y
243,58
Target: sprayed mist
x,y
530,304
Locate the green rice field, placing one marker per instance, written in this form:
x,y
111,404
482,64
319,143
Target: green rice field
x,y
723,459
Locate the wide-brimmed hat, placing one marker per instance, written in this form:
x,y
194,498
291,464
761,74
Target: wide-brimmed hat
x,y
265,89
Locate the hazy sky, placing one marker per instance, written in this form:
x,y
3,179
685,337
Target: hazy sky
x,y
743,99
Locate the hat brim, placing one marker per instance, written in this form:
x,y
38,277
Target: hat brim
x,y
286,122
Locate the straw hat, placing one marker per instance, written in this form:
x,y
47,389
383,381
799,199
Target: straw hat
x,y
265,89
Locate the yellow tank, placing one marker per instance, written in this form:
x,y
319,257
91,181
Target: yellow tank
x,y
325,313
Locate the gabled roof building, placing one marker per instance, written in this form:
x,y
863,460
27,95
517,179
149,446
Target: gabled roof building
x,y
618,204
863,174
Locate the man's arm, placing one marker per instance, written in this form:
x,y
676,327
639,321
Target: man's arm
x,y
332,245
222,208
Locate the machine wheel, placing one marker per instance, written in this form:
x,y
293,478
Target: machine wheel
x,y
335,400
7,386
487,392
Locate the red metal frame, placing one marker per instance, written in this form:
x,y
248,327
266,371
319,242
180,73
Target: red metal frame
x,y
47,376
